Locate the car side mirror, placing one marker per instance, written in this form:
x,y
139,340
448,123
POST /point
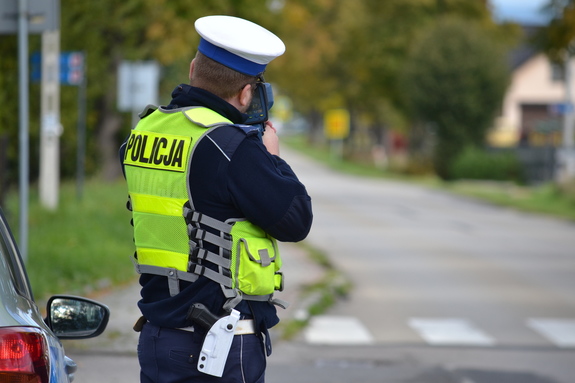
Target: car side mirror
x,y
72,317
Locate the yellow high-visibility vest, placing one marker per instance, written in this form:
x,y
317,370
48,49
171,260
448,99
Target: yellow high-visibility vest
x,y
167,232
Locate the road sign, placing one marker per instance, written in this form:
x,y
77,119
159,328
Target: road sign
x,y
137,85
43,15
562,108
71,67
336,124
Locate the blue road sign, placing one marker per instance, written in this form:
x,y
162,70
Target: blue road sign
x,y
562,108
71,67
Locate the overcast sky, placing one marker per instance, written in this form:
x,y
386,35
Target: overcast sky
x,y
522,11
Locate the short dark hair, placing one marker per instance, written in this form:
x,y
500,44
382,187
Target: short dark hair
x,y
218,78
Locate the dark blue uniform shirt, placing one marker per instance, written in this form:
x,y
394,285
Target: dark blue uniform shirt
x,y
252,184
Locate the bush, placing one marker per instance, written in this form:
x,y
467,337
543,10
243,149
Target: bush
x,y
82,246
477,164
455,80
567,190
417,165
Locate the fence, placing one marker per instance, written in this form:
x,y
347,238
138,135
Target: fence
x,y
539,163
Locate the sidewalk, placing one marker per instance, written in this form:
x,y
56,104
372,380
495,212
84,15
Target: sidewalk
x,y
120,338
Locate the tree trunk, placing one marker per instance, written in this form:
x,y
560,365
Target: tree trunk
x,y
108,146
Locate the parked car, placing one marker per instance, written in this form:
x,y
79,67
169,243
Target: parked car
x,y
30,347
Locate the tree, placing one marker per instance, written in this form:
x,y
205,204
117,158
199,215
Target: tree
x,y
108,32
455,80
8,114
339,53
349,54
311,31
111,31
558,37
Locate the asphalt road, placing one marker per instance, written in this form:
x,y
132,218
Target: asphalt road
x,y
446,290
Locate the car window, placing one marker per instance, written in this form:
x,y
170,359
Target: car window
x,y
12,261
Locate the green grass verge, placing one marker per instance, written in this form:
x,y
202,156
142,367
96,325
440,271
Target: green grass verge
x,y
84,245
323,153
548,199
316,298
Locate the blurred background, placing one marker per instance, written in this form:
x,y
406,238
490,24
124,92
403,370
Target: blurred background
x,y
428,87
388,111
435,91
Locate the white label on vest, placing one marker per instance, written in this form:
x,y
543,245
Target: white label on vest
x,y
157,151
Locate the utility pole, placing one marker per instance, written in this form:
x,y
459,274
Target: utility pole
x,y
50,129
24,121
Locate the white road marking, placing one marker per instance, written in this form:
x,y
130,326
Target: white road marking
x,y
450,331
324,329
559,331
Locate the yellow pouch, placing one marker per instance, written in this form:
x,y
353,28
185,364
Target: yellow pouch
x,y
255,260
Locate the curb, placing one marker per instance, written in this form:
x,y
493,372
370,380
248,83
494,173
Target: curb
x,y
317,296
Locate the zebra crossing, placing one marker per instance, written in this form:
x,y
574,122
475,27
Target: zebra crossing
x,y
448,331
332,330
560,331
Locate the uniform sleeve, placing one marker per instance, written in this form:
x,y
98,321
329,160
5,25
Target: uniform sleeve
x,y
121,154
267,191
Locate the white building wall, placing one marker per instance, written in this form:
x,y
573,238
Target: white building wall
x,y
531,83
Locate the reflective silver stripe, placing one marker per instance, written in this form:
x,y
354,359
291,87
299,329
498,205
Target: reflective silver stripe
x,y
219,148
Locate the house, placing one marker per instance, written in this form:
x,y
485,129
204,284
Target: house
x,y
532,110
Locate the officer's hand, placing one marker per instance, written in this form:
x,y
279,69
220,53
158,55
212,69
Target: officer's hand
x,y
271,139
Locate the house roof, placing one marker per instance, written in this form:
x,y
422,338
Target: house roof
x,y
521,55
525,50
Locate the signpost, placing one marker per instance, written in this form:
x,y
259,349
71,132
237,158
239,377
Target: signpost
x,y
336,128
561,109
24,125
50,127
40,15
137,86
72,71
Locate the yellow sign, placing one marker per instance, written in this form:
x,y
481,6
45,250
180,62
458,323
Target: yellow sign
x,y
336,124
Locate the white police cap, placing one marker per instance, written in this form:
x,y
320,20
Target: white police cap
x,y
237,43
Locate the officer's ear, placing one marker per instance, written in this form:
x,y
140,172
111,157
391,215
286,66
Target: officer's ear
x,y
245,97
192,64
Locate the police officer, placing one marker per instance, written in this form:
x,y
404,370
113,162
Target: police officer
x,y
210,196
